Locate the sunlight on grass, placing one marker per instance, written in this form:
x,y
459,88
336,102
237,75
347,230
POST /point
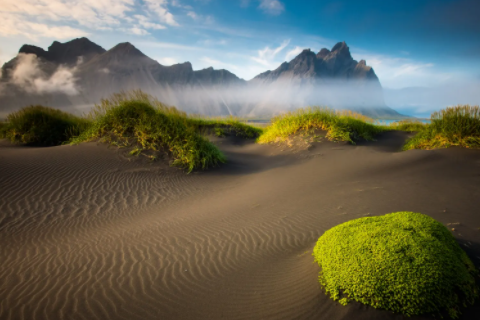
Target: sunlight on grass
x,y
339,125
453,126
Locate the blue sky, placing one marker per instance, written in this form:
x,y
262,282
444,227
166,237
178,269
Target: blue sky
x,y
409,43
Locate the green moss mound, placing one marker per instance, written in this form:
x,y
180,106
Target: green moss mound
x,y
404,262
39,125
143,126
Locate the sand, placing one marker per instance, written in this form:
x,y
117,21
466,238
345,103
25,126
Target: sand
x,y
87,233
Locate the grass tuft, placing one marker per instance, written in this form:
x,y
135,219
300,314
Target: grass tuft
x,y
403,262
39,125
225,126
453,126
147,125
340,125
407,125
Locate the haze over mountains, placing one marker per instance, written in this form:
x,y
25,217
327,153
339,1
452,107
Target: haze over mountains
x,y
79,73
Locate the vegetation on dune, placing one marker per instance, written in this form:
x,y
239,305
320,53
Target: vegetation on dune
x,y
407,125
453,126
403,262
225,126
139,124
39,125
340,125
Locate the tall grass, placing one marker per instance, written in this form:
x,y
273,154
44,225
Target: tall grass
x,y
407,125
225,126
145,125
453,126
340,125
39,125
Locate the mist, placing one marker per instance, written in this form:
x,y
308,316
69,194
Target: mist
x,y
252,99
422,101
31,78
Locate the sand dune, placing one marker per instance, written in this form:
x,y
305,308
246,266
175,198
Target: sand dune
x,y
87,234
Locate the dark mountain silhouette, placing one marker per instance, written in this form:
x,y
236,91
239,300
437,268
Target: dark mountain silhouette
x,y
97,73
336,64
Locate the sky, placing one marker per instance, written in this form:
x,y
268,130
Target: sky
x,y
409,43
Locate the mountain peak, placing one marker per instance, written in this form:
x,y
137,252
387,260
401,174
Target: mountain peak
x,y
30,49
69,52
323,53
341,49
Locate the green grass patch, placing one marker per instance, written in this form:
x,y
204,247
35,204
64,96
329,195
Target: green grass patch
x,y
39,125
407,125
340,125
225,126
453,126
143,123
403,262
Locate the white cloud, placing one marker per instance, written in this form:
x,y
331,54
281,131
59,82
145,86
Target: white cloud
x,y
273,7
13,25
28,75
293,53
198,17
178,4
192,15
138,31
396,72
267,56
62,19
167,61
160,8
145,22
216,64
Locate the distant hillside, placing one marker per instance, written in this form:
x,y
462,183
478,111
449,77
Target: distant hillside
x,y
80,72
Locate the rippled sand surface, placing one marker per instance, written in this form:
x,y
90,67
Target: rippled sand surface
x,y
87,233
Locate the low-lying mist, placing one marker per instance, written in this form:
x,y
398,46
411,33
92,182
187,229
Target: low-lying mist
x,y
422,101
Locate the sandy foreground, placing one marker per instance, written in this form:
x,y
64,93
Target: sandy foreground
x,y
87,233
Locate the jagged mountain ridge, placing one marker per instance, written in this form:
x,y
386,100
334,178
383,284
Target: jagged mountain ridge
x,y
99,73
336,64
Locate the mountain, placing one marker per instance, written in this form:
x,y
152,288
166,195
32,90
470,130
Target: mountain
x,y
337,64
80,73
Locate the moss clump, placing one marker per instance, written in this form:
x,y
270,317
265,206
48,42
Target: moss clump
x,y
340,125
404,262
453,126
39,125
143,126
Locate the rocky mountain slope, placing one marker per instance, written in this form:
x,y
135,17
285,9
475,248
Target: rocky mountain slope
x,y
80,72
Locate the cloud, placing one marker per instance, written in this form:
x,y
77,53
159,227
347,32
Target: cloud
x,y
145,22
266,56
138,31
62,19
13,25
273,7
29,76
178,4
400,72
293,53
197,17
167,61
160,8
219,64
